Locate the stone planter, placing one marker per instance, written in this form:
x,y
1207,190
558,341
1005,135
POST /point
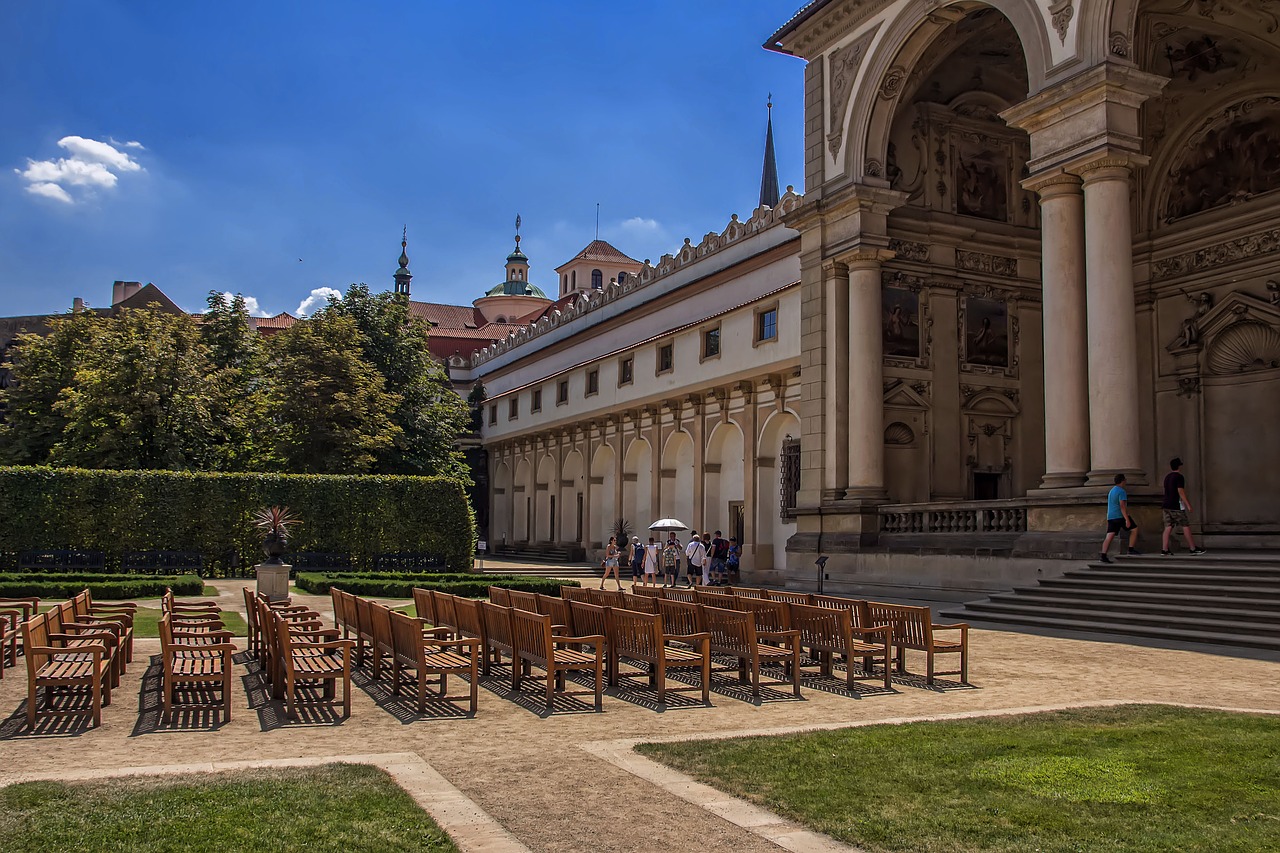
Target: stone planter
x,y
273,580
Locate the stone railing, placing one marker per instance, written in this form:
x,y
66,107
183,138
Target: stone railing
x,y
966,517
761,219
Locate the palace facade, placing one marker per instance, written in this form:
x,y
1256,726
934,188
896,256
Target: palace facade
x,y
1037,248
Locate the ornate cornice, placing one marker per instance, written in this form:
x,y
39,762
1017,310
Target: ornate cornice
x,y
1212,257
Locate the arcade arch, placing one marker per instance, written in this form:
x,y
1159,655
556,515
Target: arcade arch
x,y
602,494
771,530
637,484
678,474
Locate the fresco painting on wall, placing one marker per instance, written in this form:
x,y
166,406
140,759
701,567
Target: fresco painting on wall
x,y
1226,165
900,322
986,332
981,182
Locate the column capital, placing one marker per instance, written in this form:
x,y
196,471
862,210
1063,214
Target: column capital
x,y
865,257
1053,183
1111,166
832,268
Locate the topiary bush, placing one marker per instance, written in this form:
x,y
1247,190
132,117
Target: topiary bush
x,y
401,584
120,511
27,585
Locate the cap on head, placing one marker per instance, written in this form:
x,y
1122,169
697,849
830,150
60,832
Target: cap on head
x,y
1175,463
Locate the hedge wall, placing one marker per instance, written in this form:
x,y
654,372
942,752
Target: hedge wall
x,y
101,586
400,585
120,511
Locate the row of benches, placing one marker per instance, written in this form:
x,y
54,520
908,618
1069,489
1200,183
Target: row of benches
x,y
160,562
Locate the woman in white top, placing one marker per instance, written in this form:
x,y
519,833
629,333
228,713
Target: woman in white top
x,y
651,552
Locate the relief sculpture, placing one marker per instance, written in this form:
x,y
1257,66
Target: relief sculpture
x,y
1228,164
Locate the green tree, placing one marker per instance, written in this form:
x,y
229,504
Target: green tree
x,y
140,397
430,415
41,368
331,409
243,439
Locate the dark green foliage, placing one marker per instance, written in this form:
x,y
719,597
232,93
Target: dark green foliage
x,y
401,584
119,511
107,586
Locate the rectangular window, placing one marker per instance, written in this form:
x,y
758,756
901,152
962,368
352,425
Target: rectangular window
x,y
711,343
767,325
666,358
626,370
536,404
593,382
562,392
513,408
789,477
493,414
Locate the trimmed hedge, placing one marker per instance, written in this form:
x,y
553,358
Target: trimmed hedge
x,y
25,585
120,511
401,584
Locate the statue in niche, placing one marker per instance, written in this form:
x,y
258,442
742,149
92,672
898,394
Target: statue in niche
x,y
1228,165
1191,326
980,185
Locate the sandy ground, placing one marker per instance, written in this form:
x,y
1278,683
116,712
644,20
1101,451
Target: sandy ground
x,y
528,771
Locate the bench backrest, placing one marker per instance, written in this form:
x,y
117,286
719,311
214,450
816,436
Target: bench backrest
x,y
35,635
770,615
732,631
789,597
364,619
444,606
497,626
250,611
589,619
575,593
470,618
523,600
746,592
912,626
822,627
382,639
557,609
500,595
607,597
712,590
406,638
640,603
339,606
424,605
637,635
651,591
857,608
680,617
532,635
688,596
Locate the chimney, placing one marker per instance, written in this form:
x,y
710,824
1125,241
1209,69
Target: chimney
x,y
122,290
77,305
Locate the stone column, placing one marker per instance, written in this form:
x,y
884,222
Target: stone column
x,y
1066,341
835,477
1114,440
588,456
866,376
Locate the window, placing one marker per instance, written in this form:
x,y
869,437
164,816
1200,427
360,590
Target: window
x,y
513,408
626,370
597,279
493,414
767,325
622,277
593,382
711,343
536,404
666,358
574,273
562,392
790,477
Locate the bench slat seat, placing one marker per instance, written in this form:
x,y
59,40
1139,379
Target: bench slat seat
x,y
50,665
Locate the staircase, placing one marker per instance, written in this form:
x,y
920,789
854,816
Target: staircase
x,y
540,552
1223,598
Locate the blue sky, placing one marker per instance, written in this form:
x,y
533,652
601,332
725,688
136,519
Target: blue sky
x,y
280,147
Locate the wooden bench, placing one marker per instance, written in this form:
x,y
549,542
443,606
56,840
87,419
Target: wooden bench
x,y
913,628
302,657
771,616
300,621
470,623
424,605
640,603
827,631
523,600
538,645
56,660
686,595
733,633
257,628
746,591
500,595
680,617
63,620
13,612
195,658
121,612
497,635
419,648
639,639
712,590
591,620
559,611
651,591
605,597
575,593
789,597
366,642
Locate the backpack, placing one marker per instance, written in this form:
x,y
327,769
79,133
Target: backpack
x,y
722,548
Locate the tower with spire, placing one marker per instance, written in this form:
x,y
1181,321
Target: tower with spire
x,y
517,265
403,276
769,175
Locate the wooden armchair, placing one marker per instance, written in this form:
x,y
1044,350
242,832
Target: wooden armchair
x,y
640,603
500,596
366,641
827,632
73,631
197,658
302,659
789,597
559,611
639,638
733,633
650,591
419,648
605,597
686,595
58,660
423,605
470,618
537,645
118,615
913,628
575,593
444,605
497,635
680,617
771,616
746,591
523,600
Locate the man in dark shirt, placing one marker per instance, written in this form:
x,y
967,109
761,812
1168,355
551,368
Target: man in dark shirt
x,y
1176,508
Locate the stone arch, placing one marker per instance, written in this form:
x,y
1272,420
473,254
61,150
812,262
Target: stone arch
x,y
572,486
544,523
522,502
898,51
724,476
677,489
500,519
769,550
602,494
637,484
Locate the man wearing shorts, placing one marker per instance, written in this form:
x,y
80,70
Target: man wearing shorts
x,y
1118,519
719,557
696,557
671,561
637,560
1176,508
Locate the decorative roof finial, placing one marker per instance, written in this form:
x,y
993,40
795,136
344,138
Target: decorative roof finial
x,y
517,232
403,276
769,174
404,248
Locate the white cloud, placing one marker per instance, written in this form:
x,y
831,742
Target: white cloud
x,y
250,304
92,164
318,298
52,191
640,225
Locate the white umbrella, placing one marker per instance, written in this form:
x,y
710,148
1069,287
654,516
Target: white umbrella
x,y
668,524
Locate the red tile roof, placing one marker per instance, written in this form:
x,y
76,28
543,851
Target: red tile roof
x,y
283,320
447,316
599,250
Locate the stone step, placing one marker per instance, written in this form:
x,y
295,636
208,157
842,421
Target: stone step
x,y
1106,585
1187,607
1196,566
1210,580
1146,593
1239,623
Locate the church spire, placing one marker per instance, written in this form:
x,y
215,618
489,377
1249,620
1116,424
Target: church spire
x,y
403,276
769,175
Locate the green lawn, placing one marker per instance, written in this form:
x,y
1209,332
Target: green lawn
x,y
339,808
1133,778
146,622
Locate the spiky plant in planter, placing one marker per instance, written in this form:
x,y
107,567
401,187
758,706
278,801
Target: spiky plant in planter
x,y
275,523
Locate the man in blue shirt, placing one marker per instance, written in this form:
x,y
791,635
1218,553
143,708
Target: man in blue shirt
x,y
1118,519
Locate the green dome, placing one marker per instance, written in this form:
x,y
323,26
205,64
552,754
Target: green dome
x,y
517,255
516,288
